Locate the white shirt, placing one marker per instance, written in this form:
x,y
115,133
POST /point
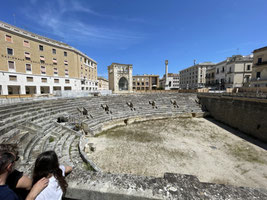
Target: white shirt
x,y
53,190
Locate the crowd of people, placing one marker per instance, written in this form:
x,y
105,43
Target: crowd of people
x,y
47,182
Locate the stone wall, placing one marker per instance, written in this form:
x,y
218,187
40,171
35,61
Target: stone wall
x,y
246,114
96,186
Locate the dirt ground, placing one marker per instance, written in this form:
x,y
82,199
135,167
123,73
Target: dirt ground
x,y
207,149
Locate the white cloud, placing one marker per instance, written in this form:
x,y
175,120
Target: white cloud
x,y
61,19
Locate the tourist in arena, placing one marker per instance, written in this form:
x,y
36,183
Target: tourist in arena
x,y
7,161
47,165
16,181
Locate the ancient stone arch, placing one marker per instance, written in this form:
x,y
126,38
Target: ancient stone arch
x,y
123,84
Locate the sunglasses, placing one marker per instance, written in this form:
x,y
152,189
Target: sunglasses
x,y
17,158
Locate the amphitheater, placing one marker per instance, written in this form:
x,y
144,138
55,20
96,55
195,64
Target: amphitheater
x,y
82,131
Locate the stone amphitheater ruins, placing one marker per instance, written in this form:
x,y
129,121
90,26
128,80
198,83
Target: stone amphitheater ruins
x,y
83,130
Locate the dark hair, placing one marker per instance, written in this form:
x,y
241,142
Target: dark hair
x,y
5,159
12,148
45,164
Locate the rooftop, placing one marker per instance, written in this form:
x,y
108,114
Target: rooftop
x,y
260,49
28,34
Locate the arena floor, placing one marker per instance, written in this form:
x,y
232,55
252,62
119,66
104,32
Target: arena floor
x,y
209,150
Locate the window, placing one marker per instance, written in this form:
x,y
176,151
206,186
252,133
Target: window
x,y
67,81
27,55
54,61
54,51
26,43
10,51
56,80
66,72
44,80
29,79
258,75
42,59
43,70
65,53
41,47
11,65
12,78
81,58
65,62
259,60
55,71
248,67
9,38
28,68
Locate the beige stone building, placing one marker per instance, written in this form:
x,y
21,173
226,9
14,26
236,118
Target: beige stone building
x,y
259,70
195,76
210,77
233,72
145,82
238,71
32,64
120,78
102,83
173,81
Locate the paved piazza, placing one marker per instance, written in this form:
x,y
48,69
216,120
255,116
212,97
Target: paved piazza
x,y
195,146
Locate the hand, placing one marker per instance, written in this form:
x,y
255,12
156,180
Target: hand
x,y
37,188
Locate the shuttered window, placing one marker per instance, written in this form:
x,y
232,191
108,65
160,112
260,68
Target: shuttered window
x,y
29,79
43,70
26,43
9,38
28,68
55,71
11,65
12,78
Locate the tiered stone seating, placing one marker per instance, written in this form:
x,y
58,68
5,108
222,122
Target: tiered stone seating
x,y
33,125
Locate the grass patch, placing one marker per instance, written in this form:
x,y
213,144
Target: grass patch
x,y
244,152
220,181
175,153
136,135
51,139
88,167
187,122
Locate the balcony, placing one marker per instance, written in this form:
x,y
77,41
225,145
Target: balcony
x,y
261,63
260,80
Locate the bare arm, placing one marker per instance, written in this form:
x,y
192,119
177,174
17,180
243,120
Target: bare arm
x,y
37,188
24,182
68,169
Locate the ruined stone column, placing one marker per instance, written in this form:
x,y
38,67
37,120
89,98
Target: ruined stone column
x,y
166,75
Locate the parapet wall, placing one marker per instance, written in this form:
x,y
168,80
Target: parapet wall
x,y
96,186
249,115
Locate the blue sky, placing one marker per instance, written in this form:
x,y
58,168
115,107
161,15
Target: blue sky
x,y
146,32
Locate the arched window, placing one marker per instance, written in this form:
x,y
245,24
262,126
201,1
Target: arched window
x,y
123,84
